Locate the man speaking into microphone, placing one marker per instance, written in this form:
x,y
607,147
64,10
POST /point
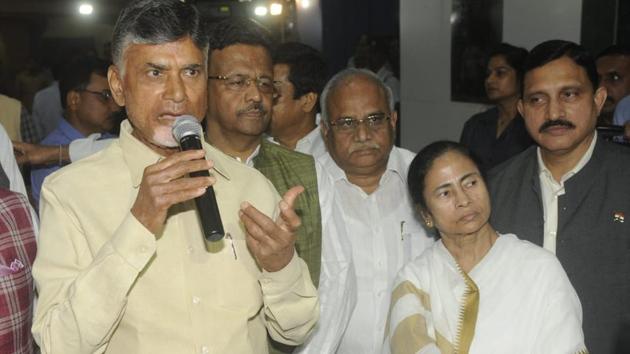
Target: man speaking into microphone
x,y
123,265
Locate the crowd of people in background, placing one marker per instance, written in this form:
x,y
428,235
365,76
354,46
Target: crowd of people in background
x,y
336,240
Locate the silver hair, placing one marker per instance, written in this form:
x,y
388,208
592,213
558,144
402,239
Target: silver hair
x,y
346,75
157,22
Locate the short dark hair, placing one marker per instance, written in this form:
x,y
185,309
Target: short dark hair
x,y
514,56
422,163
76,75
307,68
156,22
615,49
551,50
239,30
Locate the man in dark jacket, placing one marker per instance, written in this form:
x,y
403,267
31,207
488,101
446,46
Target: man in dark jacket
x,y
570,194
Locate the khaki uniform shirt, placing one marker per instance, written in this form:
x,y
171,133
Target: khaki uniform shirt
x,y
106,284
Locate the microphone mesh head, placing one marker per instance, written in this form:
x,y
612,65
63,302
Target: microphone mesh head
x,y
186,125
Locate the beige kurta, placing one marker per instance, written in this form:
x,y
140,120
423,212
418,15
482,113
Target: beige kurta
x,y
107,285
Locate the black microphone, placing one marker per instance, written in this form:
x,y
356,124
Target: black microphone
x,y
187,132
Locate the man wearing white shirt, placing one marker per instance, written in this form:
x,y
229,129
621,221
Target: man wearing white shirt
x,y
47,110
369,180
299,75
570,193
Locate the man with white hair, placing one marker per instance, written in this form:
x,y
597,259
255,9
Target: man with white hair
x,y
370,189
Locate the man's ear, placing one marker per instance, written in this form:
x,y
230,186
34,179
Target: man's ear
x,y
73,99
600,97
325,128
394,118
116,85
308,102
519,107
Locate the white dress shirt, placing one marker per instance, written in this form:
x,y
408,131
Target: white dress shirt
x,y
310,144
384,234
387,76
550,191
47,110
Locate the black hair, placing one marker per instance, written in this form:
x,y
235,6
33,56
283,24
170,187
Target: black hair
x,y
615,49
76,75
307,68
514,56
157,22
422,163
551,50
238,30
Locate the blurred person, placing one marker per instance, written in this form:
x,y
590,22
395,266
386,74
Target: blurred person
x,y
299,74
18,229
17,121
499,133
122,264
10,176
47,109
31,79
240,93
369,176
474,282
621,116
613,68
88,108
10,119
570,193
373,56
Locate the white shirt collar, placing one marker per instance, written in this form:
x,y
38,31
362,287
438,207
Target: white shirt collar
x,y
310,137
250,160
544,171
395,164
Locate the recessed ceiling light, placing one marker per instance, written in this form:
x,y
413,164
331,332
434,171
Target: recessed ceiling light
x,y
86,9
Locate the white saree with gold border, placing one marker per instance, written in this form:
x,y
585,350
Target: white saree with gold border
x,y
517,299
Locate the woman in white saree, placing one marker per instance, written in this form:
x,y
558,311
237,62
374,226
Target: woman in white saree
x,y
475,291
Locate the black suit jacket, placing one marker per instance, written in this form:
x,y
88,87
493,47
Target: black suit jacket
x,y
593,236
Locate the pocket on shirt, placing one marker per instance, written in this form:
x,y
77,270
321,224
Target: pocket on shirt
x,y
238,287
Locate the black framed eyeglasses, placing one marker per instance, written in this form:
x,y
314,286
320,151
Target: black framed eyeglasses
x,y
105,95
349,124
238,82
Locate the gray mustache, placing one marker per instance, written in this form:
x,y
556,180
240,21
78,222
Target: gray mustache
x,y
363,146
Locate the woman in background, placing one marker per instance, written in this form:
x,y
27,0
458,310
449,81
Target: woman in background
x,y
475,291
499,133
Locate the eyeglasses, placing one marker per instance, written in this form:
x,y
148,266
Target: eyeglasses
x,y
105,95
238,82
348,124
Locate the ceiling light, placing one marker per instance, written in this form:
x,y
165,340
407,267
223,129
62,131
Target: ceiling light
x,y
305,4
275,9
86,9
260,10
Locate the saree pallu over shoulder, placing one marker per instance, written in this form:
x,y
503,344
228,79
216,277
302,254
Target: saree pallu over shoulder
x,y
517,299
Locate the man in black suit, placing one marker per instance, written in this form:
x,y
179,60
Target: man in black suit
x,y
571,193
